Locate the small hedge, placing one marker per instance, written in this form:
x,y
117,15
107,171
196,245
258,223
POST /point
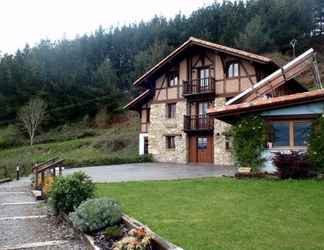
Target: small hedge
x,y
68,192
293,165
96,214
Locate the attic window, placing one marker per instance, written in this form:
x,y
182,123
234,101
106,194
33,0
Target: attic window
x,y
173,79
232,70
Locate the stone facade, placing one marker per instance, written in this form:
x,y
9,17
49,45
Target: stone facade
x,y
160,127
222,156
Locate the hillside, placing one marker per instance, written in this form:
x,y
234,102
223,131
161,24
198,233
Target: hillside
x,y
78,145
307,78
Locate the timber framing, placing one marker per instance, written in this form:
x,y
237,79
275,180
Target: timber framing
x,y
191,42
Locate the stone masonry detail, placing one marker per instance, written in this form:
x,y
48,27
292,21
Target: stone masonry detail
x,y
160,127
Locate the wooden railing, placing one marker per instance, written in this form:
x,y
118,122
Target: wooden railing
x,y
198,122
48,168
199,86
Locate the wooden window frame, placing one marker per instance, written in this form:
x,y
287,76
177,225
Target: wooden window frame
x,y
292,135
170,142
228,66
170,114
171,77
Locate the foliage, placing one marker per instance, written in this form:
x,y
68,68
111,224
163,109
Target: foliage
x,y
223,213
249,140
316,144
10,136
96,214
113,232
293,165
255,37
78,77
138,239
68,192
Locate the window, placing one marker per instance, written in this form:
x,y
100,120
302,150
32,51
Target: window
x,y
280,134
170,142
146,145
233,70
290,133
204,77
202,143
171,110
173,79
301,133
228,142
148,111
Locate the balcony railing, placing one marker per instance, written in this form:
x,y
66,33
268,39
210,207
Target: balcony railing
x,y
199,86
198,123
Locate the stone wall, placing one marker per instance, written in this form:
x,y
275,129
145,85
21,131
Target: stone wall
x,y
160,127
222,156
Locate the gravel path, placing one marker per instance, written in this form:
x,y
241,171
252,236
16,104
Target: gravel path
x,y
26,224
152,171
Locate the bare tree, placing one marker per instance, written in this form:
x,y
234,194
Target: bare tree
x,y
32,115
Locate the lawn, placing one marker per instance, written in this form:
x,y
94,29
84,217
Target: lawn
x,y
227,214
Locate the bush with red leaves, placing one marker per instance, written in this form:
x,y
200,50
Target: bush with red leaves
x,y
293,165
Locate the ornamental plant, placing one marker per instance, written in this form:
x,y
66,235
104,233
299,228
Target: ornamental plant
x,y
316,145
249,140
68,192
96,214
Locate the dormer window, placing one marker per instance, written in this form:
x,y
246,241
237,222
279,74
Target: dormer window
x,y
173,79
232,70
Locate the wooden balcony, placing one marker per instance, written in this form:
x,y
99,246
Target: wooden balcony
x,y
205,86
198,123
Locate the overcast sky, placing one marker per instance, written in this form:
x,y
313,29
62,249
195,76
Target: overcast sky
x,y
28,21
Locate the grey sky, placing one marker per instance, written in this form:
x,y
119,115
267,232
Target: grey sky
x,y
28,21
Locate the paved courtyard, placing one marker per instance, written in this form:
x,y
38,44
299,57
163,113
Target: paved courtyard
x,y
26,224
152,171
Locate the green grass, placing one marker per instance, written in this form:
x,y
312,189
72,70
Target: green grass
x,y
118,144
227,214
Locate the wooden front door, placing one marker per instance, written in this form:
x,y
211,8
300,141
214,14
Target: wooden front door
x,y
201,148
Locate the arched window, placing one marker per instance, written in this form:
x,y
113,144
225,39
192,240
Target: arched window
x,y
232,70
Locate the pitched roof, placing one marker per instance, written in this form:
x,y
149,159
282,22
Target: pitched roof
x,y
277,78
266,104
195,41
137,100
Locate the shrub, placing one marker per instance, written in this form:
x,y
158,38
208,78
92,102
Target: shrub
x,y
113,232
294,165
96,214
249,140
316,145
68,192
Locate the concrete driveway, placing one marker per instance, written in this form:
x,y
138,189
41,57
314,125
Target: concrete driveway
x,y
152,171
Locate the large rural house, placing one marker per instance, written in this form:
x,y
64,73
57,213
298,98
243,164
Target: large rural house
x,y
200,77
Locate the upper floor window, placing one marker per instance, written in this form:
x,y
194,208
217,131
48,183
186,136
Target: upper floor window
x,y
171,110
204,77
232,70
173,79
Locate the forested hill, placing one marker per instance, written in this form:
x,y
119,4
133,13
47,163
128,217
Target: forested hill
x,y
78,77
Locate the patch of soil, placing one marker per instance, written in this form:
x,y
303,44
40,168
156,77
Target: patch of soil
x,y
106,243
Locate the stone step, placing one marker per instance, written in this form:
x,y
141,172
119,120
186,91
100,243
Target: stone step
x,y
57,244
